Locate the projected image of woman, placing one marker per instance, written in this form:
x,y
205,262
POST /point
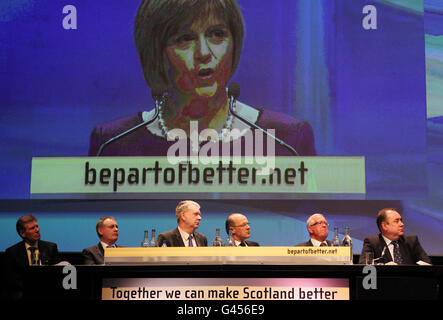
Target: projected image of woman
x,y
189,50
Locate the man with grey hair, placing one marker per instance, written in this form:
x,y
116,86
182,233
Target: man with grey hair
x,y
318,231
188,219
107,231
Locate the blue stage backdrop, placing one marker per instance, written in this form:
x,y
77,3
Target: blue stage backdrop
x,y
368,88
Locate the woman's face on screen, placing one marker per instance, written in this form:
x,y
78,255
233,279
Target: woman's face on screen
x,y
200,57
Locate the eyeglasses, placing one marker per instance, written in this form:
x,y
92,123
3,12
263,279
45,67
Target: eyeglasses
x,y
323,223
242,225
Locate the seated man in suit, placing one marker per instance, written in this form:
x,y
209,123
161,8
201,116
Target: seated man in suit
x,y
28,252
188,219
318,232
241,230
107,231
391,245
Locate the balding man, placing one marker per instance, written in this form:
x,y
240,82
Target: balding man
x,y
318,231
241,230
188,219
107,231
392,245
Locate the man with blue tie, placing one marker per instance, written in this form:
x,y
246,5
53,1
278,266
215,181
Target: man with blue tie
x,y
107,231
188,217
392,245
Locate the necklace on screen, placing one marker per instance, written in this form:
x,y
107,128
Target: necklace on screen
x,y
165,130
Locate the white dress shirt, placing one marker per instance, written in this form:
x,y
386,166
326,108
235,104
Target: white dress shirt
x,y
105,245
238,243
28,252
185,238
390,246
317,243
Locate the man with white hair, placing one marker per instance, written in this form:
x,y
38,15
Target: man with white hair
x,y
188,219
318,231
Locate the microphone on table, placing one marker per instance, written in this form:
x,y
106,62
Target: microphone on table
x,y
234,93
382,253
157,95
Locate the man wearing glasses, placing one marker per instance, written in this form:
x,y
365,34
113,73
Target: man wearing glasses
x,y
318,232
241,230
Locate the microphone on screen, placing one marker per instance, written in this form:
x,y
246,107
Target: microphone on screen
x,y
233,94
157,95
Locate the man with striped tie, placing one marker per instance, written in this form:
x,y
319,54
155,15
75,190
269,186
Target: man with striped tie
x,y
188,217
28,252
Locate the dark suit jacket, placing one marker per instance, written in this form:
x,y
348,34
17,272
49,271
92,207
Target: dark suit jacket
x,y
16,264
174,239
410,249
309,244
94,254
249,244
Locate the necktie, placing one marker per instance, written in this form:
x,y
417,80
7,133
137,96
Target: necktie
x,y
323,244
33,257
397,256
190,241
111,246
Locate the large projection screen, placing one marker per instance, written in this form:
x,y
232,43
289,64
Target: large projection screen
x,y
365,76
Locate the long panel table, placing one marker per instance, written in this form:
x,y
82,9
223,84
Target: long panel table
x,y
392,282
